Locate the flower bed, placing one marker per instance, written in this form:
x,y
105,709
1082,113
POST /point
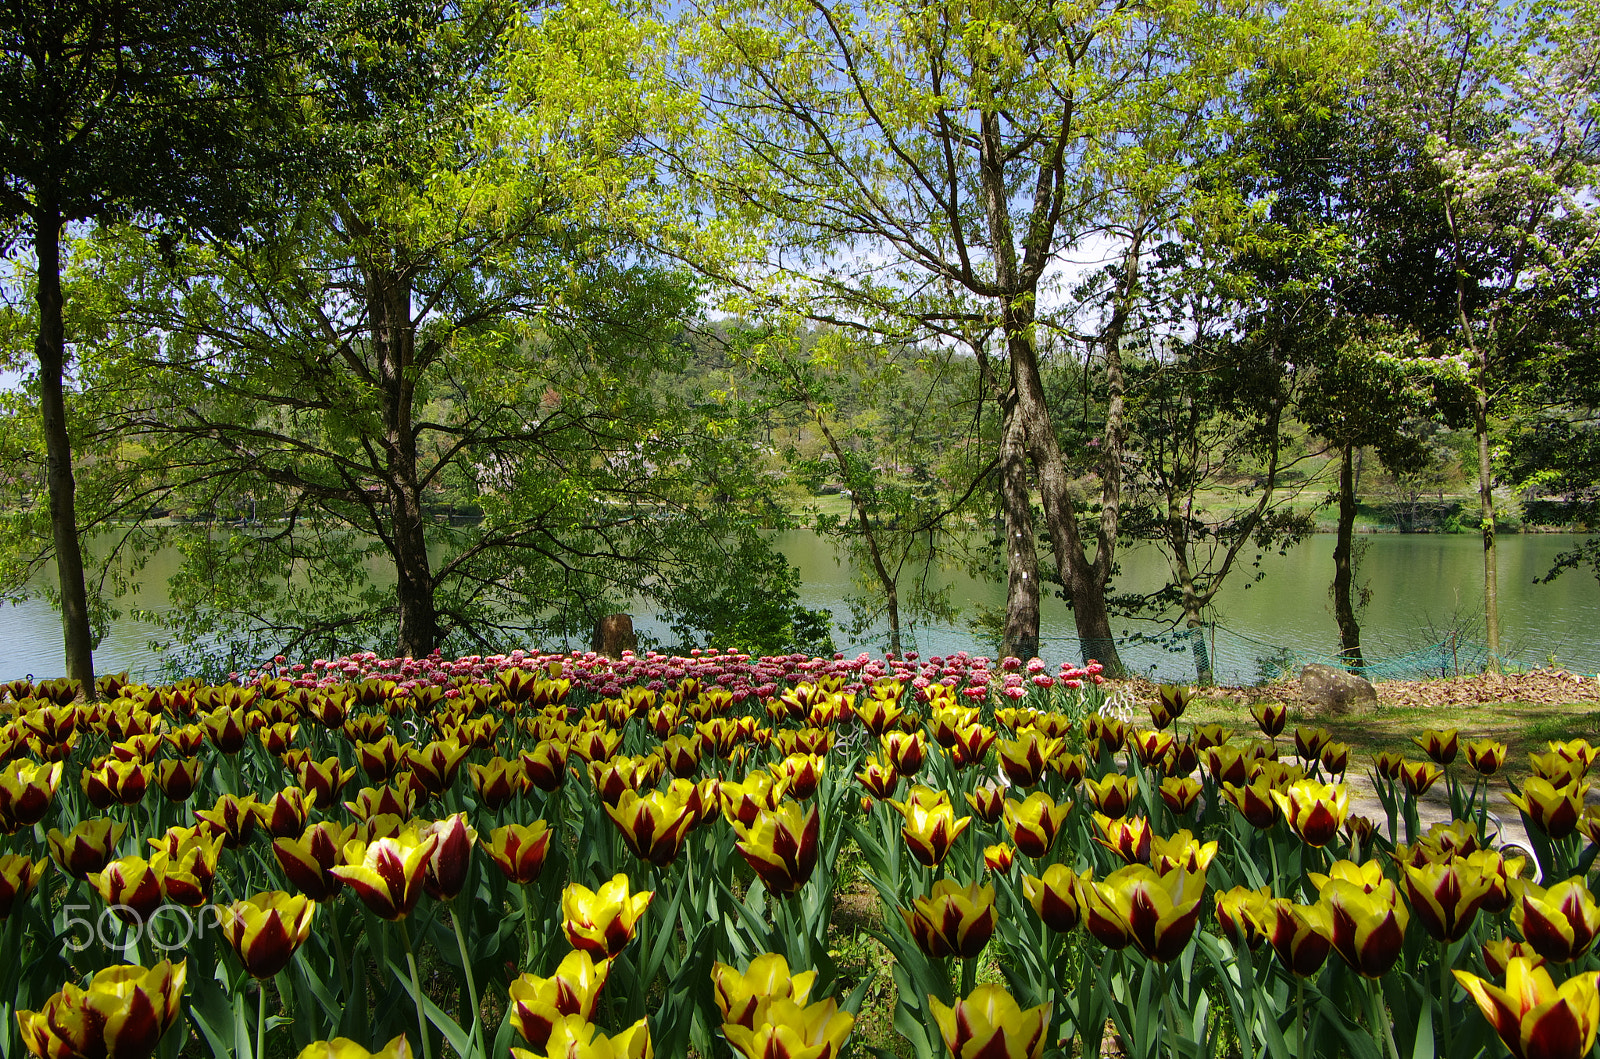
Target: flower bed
x,y
560,855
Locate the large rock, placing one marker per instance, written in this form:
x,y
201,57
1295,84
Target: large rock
x,y
1331,690
613,635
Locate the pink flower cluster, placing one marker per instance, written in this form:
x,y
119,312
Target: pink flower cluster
x,y
744,675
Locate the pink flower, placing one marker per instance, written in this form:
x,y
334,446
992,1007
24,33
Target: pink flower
x,y
1044,680
1014,692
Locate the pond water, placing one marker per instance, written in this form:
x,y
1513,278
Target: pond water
x,y
1423,589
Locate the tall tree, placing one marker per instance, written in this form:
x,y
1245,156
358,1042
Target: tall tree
x,y
1505,97
440,345
933,164
109,109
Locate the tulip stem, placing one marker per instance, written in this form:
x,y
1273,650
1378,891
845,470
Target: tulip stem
x,y
1299,1015
416,989
1380,1018
527,925
261,1020
1445,988
472,985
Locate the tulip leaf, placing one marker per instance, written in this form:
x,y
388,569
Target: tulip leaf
x,y
1359,1043
212,1014
460,1039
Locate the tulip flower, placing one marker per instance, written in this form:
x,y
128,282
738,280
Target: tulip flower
x,y
1154,913
1070,767
879,715
1367,875
799,774
1057,896
1245,914
906,751
742,802
1128,838
123,1014
741,997
307,862
1151,747
1023,758
227,729
188,871
1498,871
26,791
1368,927
266,930
386,873
1335,758
1498,953
87,847
1418,776
235,818
1300,935
113,782
1181,852
1180,793
278,738
999,857
788,1031
1553,810
398,800
498,782
1486,756
1227,764
1254,802
1577,750
1270,717
681,754
653,825
988,802
446,873
1171,701
1112,794
1440,746
1359,829
178,778
879,778
129,887
1308,742
18,876
436,764
537,1004
1314,810
971,743
574,1037
931,827
284,814
345,1048
1109,732
1388,764
546,764
1210,735
953,920
988,1022
519,850
601,922
1534,1018
325,779
1446,897
1560,922
781,845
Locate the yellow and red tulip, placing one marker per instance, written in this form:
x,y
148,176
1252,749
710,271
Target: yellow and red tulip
x,y
519,850
537,1004
1156,914
546,764
436,764
1181,851
1245,914
1254,802
1553,810
1314,810
498,782
601,922
781,845
266,930
999,857
188,870
285,813
1057,896
1128,838
1023,758
130,887
906,751
653,825
112,782
1560,922
307,862
1180,793
1368,927
345,1048
741,996
1171,701
387,873
931,827
953,920
1418,776
1497,954
1113,794
1534,1017
446,873
574,1037
123,1014
18,876
1440,746
235,818
1446,896
26,791
1300,935
1486,756
786,1030
988,1022
1270,717
878,778
988,802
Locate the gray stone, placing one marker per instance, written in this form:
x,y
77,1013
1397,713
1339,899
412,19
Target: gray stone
x,y
1335,691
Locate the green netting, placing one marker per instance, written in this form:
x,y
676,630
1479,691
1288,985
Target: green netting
x,y
1235,658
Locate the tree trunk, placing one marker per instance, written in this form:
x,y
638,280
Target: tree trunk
x,y
394,342
1021,637
1343,573
1491,568
51,349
